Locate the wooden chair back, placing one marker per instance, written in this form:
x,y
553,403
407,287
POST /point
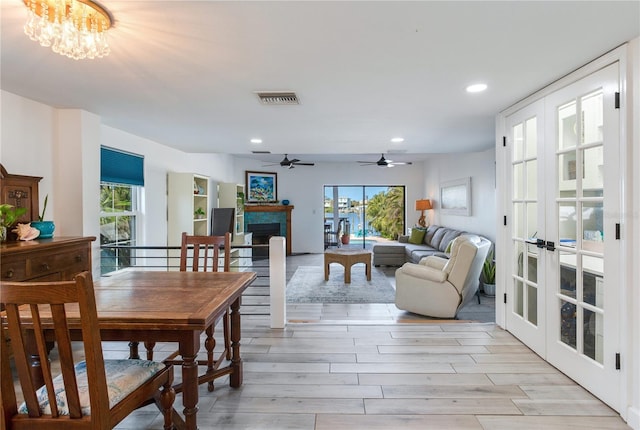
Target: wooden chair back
x,y
36,313
55,295
206,252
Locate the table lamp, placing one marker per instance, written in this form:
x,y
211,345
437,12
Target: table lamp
x,y
423,205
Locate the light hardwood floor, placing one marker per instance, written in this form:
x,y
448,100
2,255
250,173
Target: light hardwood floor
x,y
374,367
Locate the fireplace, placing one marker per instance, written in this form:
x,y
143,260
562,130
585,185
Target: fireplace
x,y
267,214
261,234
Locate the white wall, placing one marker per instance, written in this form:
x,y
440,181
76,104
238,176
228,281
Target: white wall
x,y
303,187
61,139
62,146
480,166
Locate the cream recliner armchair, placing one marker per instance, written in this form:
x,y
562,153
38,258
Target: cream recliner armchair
x,y
439,287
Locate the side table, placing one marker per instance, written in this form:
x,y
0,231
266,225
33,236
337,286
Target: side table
x,y
347,258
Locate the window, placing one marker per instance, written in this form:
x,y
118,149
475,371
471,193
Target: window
x,y
118,219
121,184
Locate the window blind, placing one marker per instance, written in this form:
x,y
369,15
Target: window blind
x,y
121,167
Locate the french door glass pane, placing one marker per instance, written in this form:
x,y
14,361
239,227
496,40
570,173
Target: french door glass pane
x,y
568,279
532,304
518,220
531,142
532,179
518,302
592,174
567,174
593,335
567,223
518,265
568,323
532,263
518,181
518,142
592,117
532,219
567,126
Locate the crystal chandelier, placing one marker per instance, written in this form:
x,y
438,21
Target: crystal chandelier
x,y
75,28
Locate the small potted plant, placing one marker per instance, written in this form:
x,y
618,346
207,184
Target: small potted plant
x,y
199,213
46,227
9,216
489,275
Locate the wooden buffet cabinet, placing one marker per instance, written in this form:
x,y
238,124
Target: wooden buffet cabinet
x,y
55,259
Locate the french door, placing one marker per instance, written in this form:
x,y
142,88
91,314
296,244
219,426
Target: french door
x,y
564,285
526,310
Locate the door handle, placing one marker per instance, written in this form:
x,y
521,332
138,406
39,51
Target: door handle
x,y
539,243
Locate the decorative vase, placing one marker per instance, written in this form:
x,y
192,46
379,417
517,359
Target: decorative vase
x,y
285,202
3,233
489,289
46,228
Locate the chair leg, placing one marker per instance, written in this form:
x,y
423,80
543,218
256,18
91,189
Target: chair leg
x,y
167,398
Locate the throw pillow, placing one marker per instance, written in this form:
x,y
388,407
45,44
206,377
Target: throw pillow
x,y
448,250
417,236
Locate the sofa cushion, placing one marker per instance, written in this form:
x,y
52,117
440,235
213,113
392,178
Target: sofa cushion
x,y
417,236
431,230
437,237
448,236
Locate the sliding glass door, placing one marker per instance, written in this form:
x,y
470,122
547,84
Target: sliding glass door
x,y
361,215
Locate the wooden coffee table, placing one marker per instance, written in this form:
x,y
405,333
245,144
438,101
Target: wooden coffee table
x,y
347,257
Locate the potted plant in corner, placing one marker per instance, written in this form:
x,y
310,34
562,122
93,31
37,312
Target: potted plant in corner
x,y
489,275
46,227
9,215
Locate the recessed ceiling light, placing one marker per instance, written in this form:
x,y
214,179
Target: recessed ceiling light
x,y
397,139
256,140
476,88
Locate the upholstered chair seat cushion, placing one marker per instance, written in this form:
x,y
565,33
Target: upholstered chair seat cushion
x,y
123,377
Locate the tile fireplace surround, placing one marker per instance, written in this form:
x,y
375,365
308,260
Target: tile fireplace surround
x,y
271,213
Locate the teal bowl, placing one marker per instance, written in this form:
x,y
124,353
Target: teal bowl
x,y
46,228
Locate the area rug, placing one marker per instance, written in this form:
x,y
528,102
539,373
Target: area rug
x,y
307,285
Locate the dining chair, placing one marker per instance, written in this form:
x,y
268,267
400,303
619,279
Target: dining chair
x,y
205,256
90,394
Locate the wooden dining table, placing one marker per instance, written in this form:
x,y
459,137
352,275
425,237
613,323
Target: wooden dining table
x,y
161,306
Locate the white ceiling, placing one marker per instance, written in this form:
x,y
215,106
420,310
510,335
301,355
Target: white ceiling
x,y
185,73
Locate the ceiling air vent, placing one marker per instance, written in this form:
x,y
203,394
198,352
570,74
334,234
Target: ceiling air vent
x,y
278,98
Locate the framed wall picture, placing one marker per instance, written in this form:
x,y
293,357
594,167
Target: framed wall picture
x,y
455,197
262,187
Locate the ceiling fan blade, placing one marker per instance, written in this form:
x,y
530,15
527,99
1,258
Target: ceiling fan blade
x,y
295,160
302,164
401,163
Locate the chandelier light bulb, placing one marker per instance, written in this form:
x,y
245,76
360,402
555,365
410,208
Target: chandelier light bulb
x,y
73,28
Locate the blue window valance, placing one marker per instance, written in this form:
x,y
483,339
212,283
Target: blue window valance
x,y
121,167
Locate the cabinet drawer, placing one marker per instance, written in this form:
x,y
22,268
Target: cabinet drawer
x,y
69,261
13,271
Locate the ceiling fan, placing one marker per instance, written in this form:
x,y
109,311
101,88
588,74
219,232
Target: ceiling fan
x,y
383,162
290,164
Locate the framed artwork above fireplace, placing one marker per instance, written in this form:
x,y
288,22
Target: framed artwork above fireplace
x,y
262,187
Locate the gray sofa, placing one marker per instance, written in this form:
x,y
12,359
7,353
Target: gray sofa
x,y
436,240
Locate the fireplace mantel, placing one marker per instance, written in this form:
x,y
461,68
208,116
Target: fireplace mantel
x,y
286,209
